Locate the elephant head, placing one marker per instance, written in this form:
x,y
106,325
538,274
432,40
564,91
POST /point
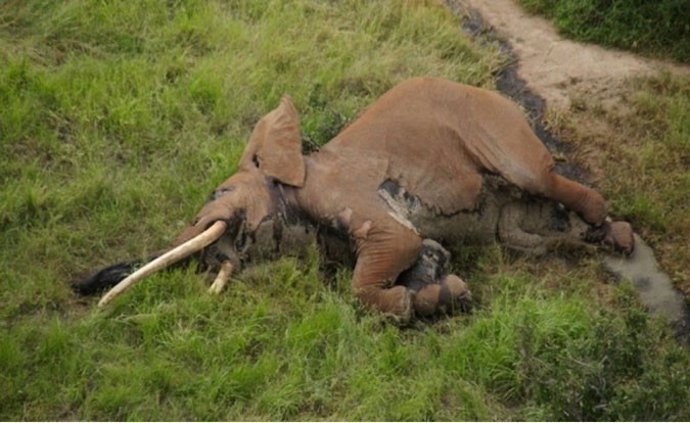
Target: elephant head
x,y
247,201
271,159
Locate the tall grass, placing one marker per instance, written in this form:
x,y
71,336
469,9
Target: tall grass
x,y
306,351
116,120
646,157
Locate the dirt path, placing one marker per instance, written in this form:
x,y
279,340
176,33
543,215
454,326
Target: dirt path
x,y
556,68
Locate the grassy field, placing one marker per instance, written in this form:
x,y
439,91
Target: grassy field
x,y
116,121
659,29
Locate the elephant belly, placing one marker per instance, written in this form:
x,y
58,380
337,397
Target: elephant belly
x,y
476,226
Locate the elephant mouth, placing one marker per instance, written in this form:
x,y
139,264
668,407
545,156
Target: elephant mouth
x,y
232,246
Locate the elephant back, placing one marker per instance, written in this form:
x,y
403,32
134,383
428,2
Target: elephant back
x,y
439,138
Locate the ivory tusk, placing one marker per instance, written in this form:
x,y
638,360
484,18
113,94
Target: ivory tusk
x,y
190,247
222,278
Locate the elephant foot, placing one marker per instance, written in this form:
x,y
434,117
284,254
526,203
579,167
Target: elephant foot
x,y
428,268
620,237
396,303
617,236
451,294
400,310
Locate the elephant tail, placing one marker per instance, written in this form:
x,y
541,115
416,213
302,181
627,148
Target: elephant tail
x,y
107,277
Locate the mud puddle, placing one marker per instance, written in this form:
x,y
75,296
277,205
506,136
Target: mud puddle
x,y
545,69
654,286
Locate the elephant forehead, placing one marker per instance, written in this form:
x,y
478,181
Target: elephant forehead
x,y
246,190
245,177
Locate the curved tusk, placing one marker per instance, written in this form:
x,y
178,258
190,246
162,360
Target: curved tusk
x,y
190,247
222,278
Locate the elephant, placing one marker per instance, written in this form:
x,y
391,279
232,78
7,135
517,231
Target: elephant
x,y
431,163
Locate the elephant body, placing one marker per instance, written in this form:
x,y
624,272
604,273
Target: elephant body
x,y
431,162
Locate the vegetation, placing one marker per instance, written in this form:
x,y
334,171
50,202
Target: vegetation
x,y
116,120
659,28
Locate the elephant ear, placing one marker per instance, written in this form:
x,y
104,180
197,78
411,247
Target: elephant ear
x,y
275,145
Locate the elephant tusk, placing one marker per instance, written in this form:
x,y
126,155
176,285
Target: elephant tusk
x,y
222,278
190,247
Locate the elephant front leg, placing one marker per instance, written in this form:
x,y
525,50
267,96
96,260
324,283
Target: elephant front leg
x,y
398,274
384,251
435,290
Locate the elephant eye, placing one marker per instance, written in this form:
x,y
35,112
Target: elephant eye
x,y
220,192
255,160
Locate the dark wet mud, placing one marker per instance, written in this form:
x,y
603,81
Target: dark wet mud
x,y
655,289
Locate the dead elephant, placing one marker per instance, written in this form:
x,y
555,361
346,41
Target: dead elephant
x,y
431,160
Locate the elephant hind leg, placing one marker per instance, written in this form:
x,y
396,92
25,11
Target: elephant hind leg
x,y
510,231
590,205
585,201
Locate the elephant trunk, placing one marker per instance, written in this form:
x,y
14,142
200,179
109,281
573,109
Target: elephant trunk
x,y
174,255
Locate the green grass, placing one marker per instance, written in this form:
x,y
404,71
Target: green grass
x,y
658,28
116,120
264,351
662,187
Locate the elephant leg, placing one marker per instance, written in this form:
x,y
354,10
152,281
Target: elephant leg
x,y
616,235
591,206
510,231
383,253
429,267
582,200
448,295
435,290
518,221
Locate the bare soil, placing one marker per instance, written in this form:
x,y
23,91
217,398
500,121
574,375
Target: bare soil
x,y
559,69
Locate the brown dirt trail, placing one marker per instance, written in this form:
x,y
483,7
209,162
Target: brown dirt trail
x,y
557,68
